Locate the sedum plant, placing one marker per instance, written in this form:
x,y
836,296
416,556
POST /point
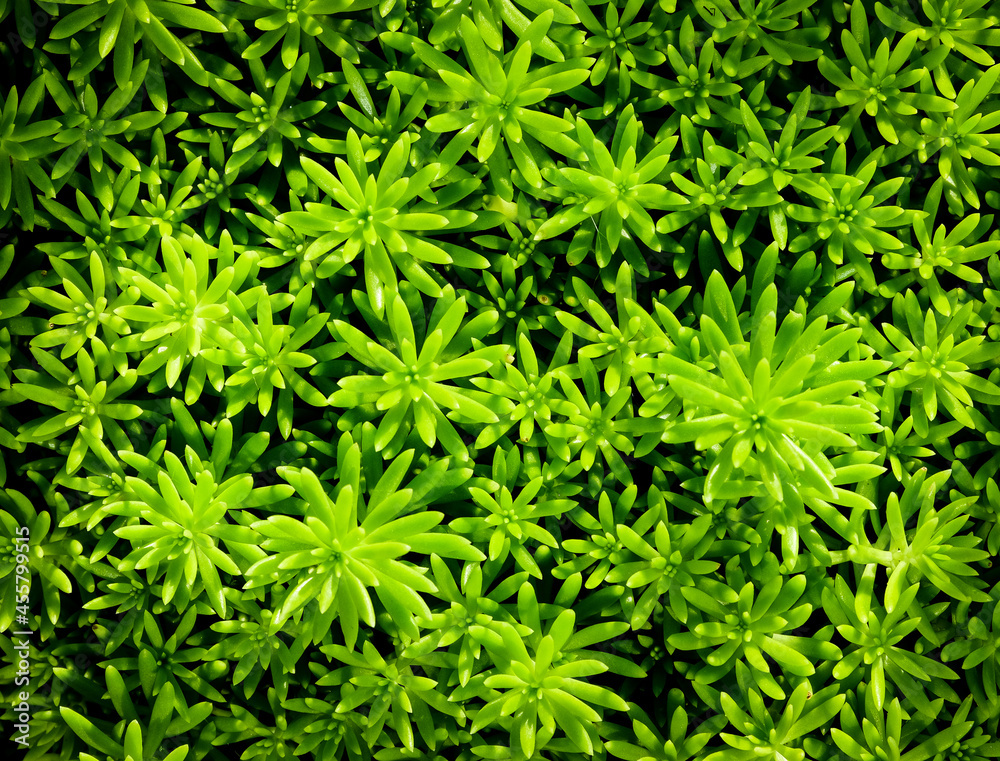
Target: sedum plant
x,y
118,244
878,81
294,544
752,629
413,387
267,117
494,16
378,133
770,27
168,206
111,27
767,735
850,217
978,650
536,688
531,389
247,642
182,523
875,634
23,141
85,312
711,190
270,357
699,82
672,562
617,185
323,730
341,547
300,28
614,346
33,543
959,27
510,522
604,546
87,400
218,188
376,216
505,122
939,252
468,607
394,692
136,740
159,664
619,39
965,134
780,161
934,552
265,741
931,362
674,742
889,730
596,424
758,412
97,131
187,311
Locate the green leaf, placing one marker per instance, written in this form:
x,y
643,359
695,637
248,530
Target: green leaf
x,y
166,42
754,130
109,30
78,20
941,741
793,661
185,17
359,88
90,734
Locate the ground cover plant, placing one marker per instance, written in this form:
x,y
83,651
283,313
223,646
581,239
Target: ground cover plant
x,y
500,379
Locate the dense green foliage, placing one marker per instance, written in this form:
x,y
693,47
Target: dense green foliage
x,y
500,379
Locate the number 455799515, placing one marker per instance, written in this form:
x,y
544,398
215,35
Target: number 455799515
x,y
21,558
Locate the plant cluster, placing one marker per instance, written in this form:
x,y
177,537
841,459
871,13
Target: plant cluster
x,y
501,379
